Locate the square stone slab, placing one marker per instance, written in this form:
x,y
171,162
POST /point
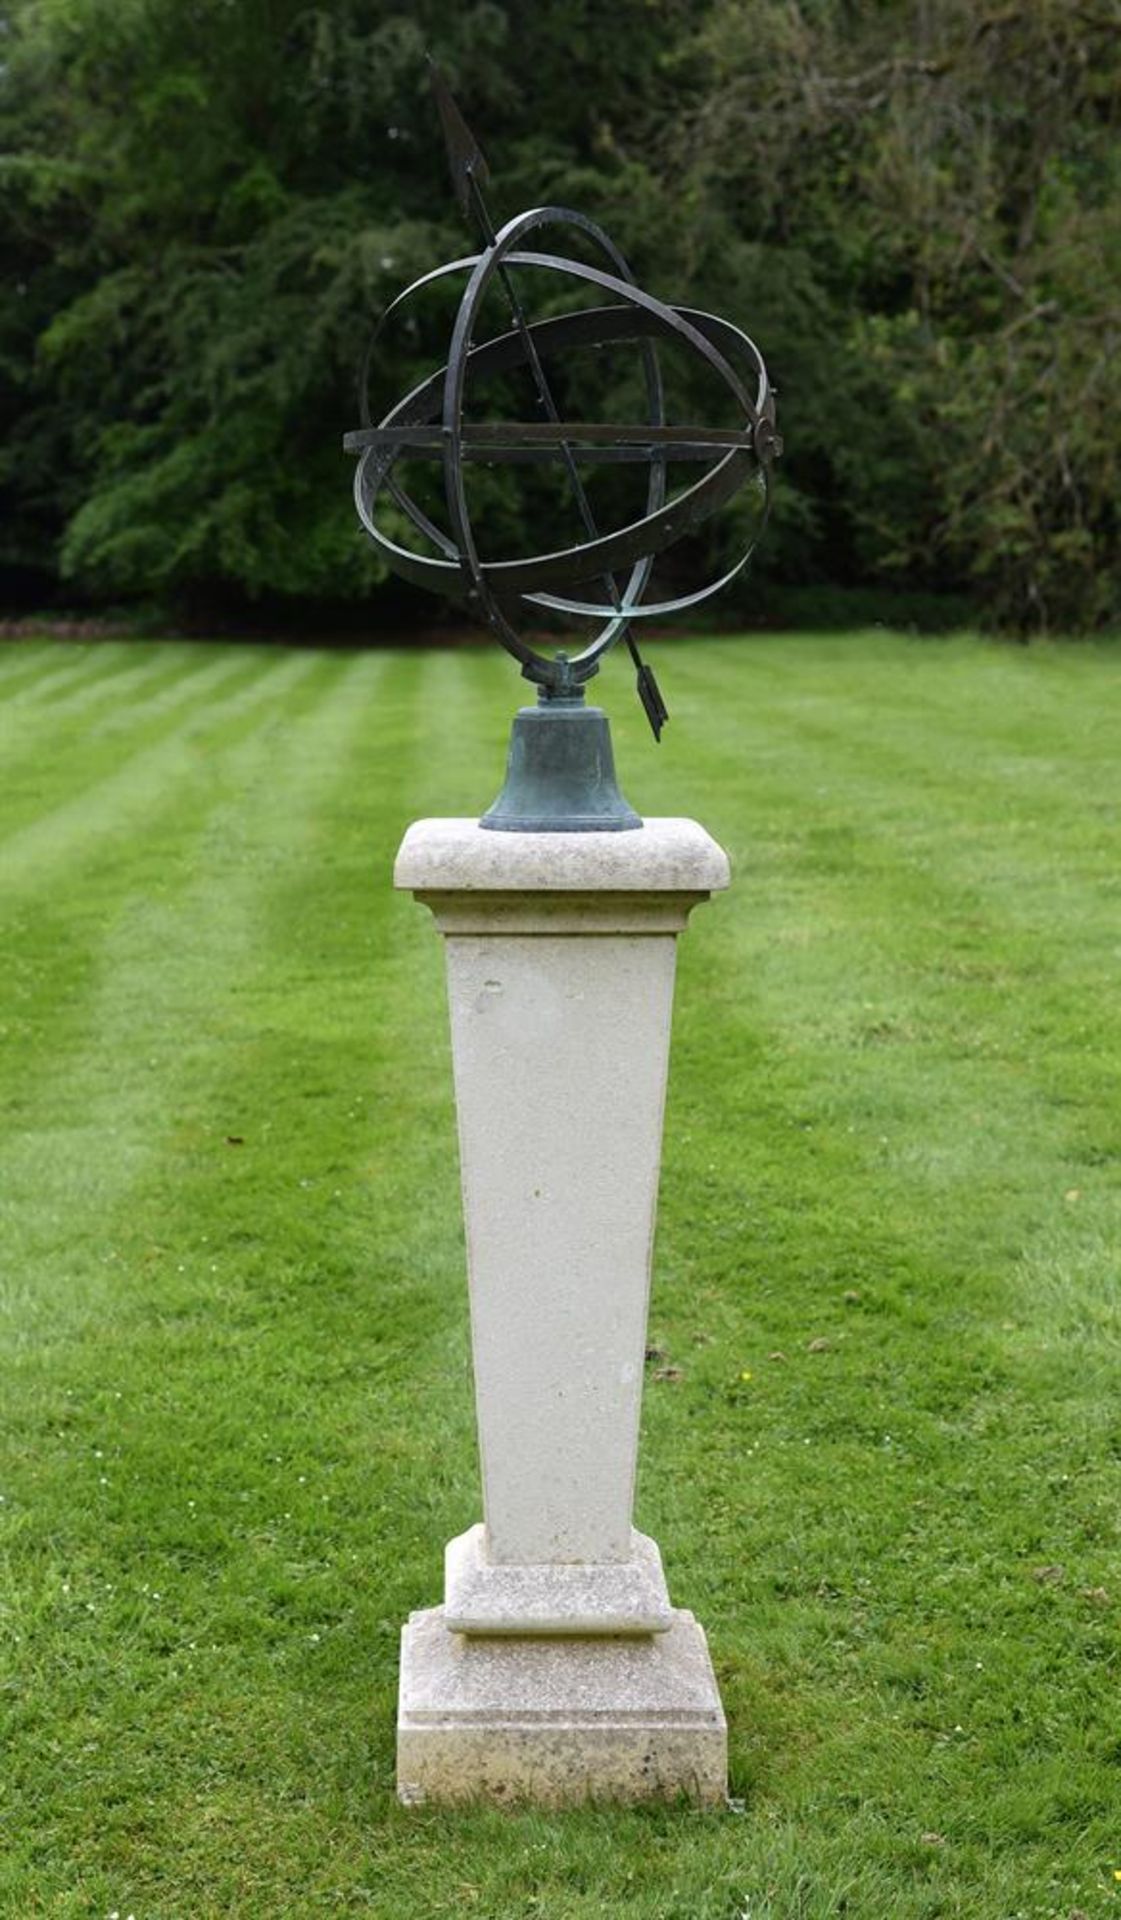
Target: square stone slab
x,y
558,1721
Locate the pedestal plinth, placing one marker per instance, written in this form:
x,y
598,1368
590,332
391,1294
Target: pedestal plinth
x,y
557,1669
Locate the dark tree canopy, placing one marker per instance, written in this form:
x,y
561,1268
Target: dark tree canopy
x,y
914,205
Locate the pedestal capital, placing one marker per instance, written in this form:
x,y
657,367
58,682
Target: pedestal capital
x,y
662,856
476,881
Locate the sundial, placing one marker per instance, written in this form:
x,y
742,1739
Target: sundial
x,y
543,473
560,775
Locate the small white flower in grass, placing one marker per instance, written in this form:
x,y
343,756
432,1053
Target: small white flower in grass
x,y
314,1639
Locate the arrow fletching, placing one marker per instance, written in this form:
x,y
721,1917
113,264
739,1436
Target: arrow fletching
x,y
653,705
465,156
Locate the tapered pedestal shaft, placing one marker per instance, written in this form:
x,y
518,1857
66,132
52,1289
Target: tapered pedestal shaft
x,y
560,953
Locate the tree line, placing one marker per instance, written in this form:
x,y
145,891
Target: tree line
x,y
913,205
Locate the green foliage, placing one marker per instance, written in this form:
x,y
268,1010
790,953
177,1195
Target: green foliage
x,y
237,1417
950,179
914,207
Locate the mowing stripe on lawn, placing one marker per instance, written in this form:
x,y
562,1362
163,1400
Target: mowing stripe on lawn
x,y
146,785
22,664
914,724
61,668
22,659
238,1408
971,898
148,663
206,675
70,923
58,1166
97,709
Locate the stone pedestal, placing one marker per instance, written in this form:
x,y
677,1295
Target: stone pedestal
x,y
556,1669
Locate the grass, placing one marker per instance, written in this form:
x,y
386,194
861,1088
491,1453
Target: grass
x,y
237,1421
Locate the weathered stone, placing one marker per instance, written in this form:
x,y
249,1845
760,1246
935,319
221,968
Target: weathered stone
x,y
606,1596
668,855
558,1722
560,963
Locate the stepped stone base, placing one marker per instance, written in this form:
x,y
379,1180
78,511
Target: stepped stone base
x,y
626,1596
558,1721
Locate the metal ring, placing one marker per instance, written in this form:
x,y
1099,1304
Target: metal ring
x,y
526,581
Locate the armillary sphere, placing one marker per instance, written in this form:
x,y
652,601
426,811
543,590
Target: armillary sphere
x,y
605,578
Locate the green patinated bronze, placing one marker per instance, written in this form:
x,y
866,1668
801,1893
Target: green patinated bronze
x,y
560,772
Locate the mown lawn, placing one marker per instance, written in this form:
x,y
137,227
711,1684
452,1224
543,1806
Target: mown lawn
x,y
237,1422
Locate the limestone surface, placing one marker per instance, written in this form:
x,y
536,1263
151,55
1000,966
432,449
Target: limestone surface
x,y
666,855
613,1597
557,1671
558,1722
